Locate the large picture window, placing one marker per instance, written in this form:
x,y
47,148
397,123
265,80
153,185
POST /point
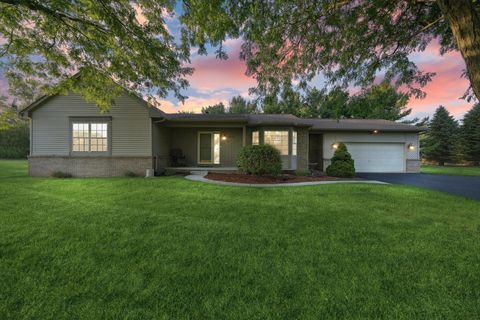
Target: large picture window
x,y
89,136
278,139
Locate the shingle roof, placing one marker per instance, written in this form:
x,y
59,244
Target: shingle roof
x,y
361,125
291,120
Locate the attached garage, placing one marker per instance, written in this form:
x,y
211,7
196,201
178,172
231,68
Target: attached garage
x,y
378,157
376,150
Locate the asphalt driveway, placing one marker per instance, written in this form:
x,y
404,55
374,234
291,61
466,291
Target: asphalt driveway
x,y
460,185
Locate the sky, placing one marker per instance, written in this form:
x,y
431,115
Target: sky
x,y
217,80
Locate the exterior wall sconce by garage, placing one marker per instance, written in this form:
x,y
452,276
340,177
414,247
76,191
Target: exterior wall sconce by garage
x,y
375,131
335,146
411,147
224,138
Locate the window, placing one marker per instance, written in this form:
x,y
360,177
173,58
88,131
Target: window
x,y
89,136
278,139
294,143
255,138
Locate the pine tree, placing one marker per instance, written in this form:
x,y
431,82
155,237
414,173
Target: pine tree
x,y
441,143
470,132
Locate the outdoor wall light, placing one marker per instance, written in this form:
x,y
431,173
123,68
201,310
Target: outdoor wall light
x,y
411,147
375,131
335,145
224,138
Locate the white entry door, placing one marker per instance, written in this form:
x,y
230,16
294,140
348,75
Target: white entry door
x,y
378,157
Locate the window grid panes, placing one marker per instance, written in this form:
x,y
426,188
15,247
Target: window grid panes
x,y
294,143
81,137
278,139
90,137
255,138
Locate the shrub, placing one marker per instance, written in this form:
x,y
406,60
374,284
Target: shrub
x,y
15,142
303,173
342,164
259,159
129,173
61,175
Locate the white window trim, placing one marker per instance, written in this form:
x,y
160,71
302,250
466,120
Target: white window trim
x,y
90,120
212,135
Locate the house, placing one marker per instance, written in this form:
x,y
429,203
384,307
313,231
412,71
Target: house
x,y
71,135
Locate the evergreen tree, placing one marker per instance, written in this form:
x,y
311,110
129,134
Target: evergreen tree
x,y
441,144
218,108
470,132
239,105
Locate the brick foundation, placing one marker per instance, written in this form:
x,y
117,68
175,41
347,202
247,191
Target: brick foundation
x,y
88,166
413,166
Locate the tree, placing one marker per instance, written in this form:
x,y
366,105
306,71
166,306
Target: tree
x,y
218,108
381,101
349,41
107,42
470,132
335,105
241,106
342,165
441,143
419,122
14,132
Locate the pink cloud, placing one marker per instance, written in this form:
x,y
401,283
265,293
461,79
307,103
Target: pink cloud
x,y
447,86
214,74
195,104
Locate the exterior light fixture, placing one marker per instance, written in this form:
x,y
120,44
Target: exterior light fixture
x,y
411,147
335,145
375,131
224,138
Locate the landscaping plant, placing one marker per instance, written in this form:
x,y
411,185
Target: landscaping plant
x,y
259,159
342,165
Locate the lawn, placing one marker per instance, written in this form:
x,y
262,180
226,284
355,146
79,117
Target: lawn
x,y
168,248
452,170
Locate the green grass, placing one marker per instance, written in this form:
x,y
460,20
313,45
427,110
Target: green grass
x,y
168,248
451,170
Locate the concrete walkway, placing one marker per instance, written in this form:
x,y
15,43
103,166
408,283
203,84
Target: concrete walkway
x,y
200,176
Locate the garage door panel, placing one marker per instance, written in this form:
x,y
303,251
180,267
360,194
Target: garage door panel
x,y
378,157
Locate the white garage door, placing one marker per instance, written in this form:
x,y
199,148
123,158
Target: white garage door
x,y
378,157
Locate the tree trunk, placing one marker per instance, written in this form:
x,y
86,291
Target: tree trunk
x,y
464,20
441,163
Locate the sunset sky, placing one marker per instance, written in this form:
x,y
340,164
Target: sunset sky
x,y
218,80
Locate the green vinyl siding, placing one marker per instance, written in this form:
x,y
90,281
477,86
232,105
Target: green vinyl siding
x,y
130,125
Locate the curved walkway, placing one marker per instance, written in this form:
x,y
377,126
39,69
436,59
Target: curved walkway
x,y
201,178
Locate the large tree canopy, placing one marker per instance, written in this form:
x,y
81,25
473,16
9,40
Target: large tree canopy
x,y
43,42
126,41
350,41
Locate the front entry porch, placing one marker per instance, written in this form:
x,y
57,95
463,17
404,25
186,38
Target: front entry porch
x,y
214,147
188,148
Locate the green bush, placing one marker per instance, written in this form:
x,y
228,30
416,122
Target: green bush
x,y
15,142
61,175
259,159
130,174
342,164
303,173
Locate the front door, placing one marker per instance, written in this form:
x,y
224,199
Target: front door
x,y
209,148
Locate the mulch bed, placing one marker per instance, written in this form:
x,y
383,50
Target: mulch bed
x,y
248,178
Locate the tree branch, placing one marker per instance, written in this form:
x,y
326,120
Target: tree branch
x,y
35,6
